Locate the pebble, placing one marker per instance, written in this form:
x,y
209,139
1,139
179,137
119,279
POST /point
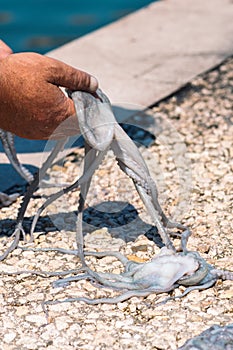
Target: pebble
x,y
37,319
228,294
9,337
22,310
61,325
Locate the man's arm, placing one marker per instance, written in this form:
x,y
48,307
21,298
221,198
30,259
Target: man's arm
x,y
31,103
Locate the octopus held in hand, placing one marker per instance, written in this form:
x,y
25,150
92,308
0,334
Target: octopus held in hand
x,y
102,132
166,271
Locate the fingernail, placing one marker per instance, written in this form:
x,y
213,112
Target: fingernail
x,y
93,84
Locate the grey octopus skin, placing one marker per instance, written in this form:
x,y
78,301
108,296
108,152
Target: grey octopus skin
x,y
164,272
101,132
7,140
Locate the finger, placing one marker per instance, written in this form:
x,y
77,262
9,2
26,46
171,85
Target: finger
x,y
70,107
64,75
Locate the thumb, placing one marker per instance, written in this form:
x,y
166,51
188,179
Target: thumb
x,y
69,77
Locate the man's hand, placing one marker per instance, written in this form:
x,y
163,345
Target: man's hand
x,y
31,103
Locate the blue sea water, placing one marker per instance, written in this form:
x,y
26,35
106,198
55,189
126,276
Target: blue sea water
x,y
42,25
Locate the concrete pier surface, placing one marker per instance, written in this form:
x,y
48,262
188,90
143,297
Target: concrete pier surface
x,y
154,51
144,57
